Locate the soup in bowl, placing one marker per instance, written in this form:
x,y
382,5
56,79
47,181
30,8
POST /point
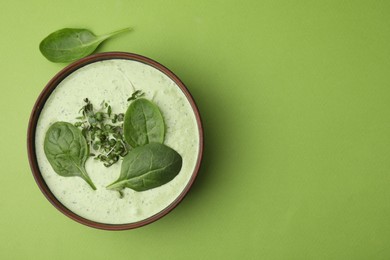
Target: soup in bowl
x,y
115,141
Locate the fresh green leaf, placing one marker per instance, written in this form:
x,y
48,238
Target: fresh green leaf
x,y
67,151
135,95
67,45
143,123
147,167
109,111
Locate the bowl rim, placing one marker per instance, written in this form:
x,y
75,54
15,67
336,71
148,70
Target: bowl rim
x,y
36,111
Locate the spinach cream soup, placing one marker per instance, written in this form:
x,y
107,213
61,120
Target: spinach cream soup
x,y
114,81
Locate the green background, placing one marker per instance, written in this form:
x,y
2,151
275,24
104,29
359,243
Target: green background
x,y
294,97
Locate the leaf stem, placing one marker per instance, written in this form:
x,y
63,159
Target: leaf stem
x,y
115,185
108,35
87,179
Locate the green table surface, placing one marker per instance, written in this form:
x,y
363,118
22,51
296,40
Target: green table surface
x,y
295,102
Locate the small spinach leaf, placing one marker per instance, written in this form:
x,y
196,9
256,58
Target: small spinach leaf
x,y
67,151
68,44
135,95
147,167
143,123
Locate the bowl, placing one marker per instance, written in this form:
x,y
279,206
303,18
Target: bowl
x,y
112,76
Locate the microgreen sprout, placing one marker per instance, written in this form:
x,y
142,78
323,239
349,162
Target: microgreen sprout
x,y
103,131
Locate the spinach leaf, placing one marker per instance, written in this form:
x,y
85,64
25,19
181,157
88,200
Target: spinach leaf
x,y
67,45
147,167
135,95
67,151
143,123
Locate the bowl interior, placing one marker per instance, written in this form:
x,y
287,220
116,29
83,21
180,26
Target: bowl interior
x,y
34,120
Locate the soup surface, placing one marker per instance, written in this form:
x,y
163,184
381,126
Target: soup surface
x,y
114,81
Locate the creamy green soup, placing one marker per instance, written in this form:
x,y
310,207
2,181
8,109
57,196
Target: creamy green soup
x,y
114,81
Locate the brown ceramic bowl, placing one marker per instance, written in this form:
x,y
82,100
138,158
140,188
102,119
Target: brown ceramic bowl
x,y
31,137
